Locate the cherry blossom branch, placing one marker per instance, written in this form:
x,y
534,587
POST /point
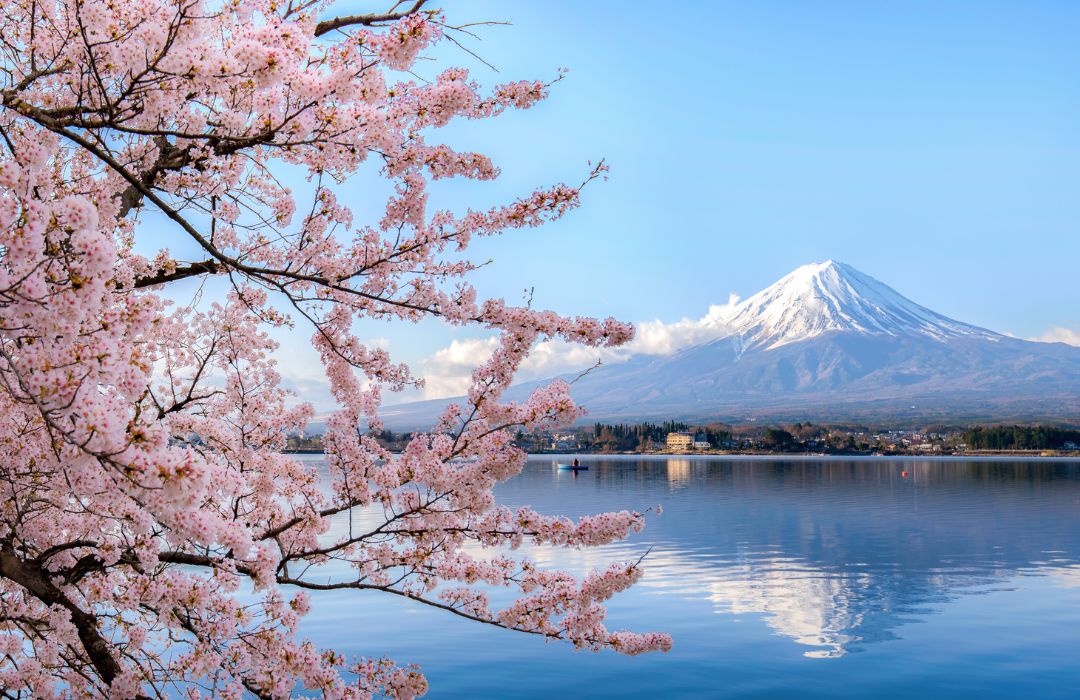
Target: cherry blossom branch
x,y
140,445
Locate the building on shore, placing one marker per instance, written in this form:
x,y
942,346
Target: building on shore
x,y
567,442
679,441
701,442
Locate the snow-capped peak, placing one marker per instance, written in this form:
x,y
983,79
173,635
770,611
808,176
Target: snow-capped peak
x,y
830,296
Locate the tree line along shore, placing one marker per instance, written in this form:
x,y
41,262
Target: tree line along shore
x,y
675,437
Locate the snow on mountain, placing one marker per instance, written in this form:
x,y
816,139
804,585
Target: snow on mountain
x,y
831,296
829,342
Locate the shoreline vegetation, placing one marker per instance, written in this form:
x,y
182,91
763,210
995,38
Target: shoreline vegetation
x,y
761,453
800,439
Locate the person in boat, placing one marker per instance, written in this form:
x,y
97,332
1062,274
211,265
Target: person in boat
x,y
576,462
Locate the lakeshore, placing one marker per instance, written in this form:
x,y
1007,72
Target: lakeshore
x,y
673,438
991,454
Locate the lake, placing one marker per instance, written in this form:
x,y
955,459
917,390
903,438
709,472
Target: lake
x,y
779,577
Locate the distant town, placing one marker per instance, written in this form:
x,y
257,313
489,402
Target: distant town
x,y
672,437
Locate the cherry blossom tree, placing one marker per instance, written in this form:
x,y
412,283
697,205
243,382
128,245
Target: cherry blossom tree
x,y
154,540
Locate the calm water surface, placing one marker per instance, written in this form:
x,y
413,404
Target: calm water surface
x,y
779,578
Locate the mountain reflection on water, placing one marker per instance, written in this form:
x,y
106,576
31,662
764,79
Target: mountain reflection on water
x,y
773,574
835,554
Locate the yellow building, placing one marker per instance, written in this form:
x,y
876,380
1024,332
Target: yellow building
x,y
679,441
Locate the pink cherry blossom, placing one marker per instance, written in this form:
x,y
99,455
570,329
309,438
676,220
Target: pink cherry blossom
x,y
144,492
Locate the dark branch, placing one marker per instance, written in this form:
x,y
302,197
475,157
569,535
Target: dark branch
x,y
205,267
37,582
169,158
367,20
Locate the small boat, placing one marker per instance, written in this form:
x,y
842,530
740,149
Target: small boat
x,y
574,468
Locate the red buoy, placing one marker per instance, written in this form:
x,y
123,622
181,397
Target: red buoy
x,y
904,473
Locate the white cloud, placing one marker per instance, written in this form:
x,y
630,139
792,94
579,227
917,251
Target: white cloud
x,y
556,357
447,372
659,338
1059,334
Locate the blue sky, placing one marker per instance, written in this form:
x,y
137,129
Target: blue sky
x,y
935,146
932,145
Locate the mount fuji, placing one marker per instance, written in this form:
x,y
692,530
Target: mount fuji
x,y
827,342
832,297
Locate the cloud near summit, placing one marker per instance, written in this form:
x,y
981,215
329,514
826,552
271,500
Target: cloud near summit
x,y
448,370
1059,334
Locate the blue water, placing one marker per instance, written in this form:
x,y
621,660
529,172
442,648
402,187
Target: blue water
x,y
782,578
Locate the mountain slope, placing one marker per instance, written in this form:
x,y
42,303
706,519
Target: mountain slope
x,y
829,342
